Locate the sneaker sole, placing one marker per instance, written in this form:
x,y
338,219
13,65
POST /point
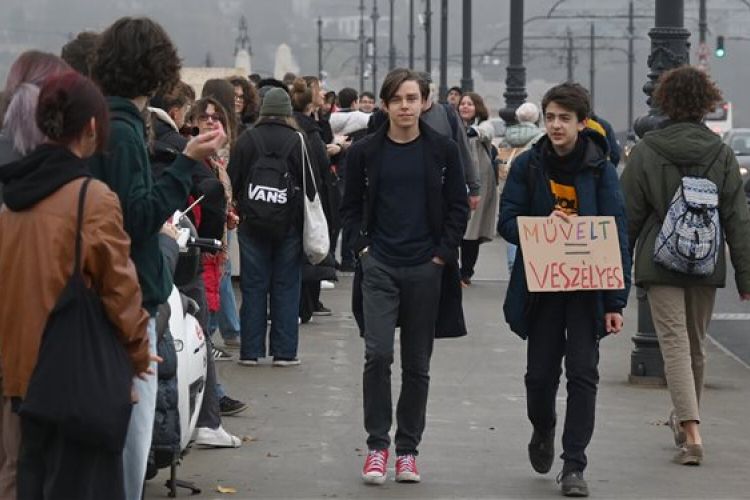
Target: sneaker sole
x,y
247,363
408,478
286,364
575,492
319,314
231,413
374,479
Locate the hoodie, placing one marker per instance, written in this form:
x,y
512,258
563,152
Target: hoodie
x,y
348,121
650,180
146,204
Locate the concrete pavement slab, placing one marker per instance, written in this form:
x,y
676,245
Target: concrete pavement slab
x,y
307,426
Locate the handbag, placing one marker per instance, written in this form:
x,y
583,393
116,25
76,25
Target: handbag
x,y
83,377
315,240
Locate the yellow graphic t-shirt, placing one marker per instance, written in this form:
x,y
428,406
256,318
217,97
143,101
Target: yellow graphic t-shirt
x,y
566,198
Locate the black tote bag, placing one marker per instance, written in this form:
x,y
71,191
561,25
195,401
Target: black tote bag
x,y
83,376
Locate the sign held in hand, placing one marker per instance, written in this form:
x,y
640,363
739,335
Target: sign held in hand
x,y
560,256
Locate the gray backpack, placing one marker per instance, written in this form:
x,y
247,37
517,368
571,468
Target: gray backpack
x,y
689,240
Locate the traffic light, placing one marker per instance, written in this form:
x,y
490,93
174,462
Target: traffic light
x,y
720,51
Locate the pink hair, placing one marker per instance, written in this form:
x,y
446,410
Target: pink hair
x,y
25,77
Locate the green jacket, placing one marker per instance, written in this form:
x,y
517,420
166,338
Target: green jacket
x,y
146,205
649,182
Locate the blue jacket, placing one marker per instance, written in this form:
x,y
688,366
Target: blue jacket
x,y
599,193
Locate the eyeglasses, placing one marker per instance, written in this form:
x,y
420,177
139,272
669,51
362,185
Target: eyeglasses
x,y
203,117
239,98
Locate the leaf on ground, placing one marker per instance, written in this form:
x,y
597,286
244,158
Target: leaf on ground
x,y
225,489
271,455
248,439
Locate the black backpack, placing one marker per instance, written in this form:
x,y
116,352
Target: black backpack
x,y
270,193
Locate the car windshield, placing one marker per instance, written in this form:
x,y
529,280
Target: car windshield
x,y
740,144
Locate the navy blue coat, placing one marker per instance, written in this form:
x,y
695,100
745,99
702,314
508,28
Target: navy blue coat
x,y
599,193
447,212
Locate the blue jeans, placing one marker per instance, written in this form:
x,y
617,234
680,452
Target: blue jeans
x,y
226,319
138,440
270,267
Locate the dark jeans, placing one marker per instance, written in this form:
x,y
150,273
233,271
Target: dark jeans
x,y
469,256
565,326
270,267
408,296
51,466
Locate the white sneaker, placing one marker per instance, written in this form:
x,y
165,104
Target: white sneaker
x,y
216,438
286,362
327,285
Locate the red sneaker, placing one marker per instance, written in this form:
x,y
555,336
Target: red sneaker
x,y
406,469
374,470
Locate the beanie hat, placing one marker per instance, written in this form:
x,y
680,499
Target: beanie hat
x,y
276,103
527,113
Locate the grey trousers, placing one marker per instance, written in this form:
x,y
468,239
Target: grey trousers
x,y
681,317
408,296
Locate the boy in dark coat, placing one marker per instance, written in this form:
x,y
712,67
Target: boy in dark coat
x,y
564,175
406,197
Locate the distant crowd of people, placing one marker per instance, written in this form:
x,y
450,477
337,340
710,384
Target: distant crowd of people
x,y
101,146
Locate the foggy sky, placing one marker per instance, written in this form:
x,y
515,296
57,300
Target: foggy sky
x,y
202,27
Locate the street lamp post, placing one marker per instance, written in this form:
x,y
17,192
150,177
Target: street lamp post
x,y
361,45
320,48
669,49
375,16
592,66
428,36
571,56
411,34
391,46
515,81
631,65
467,82
443,89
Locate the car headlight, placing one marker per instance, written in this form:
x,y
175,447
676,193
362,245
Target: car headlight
x,y
743,171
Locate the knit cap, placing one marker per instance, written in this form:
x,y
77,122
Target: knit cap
x,y
527,113
276,103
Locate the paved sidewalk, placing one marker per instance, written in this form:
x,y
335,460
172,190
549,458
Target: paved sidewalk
x,y
308,437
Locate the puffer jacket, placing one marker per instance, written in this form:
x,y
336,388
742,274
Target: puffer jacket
x,y
521,134
649,182
598,192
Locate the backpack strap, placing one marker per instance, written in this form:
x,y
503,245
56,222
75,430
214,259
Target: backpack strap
x,y
79,225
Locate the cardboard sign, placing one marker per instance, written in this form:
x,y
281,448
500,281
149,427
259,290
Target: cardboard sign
x,y
559,256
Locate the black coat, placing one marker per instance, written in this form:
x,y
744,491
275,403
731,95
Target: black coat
x,y
447,211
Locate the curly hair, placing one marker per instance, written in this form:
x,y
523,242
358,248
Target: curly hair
x,y
252,99
80,52
302,95
136,58
686,94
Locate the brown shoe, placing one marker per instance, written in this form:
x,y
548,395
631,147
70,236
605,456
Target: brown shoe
x,y
680,439
690,454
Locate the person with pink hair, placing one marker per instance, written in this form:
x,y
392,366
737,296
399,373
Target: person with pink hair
x,y
18,137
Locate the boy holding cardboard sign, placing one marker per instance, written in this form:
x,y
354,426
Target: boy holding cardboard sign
x,y
566,174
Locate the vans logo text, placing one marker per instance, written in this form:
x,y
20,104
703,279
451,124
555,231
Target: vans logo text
x,y
267,194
